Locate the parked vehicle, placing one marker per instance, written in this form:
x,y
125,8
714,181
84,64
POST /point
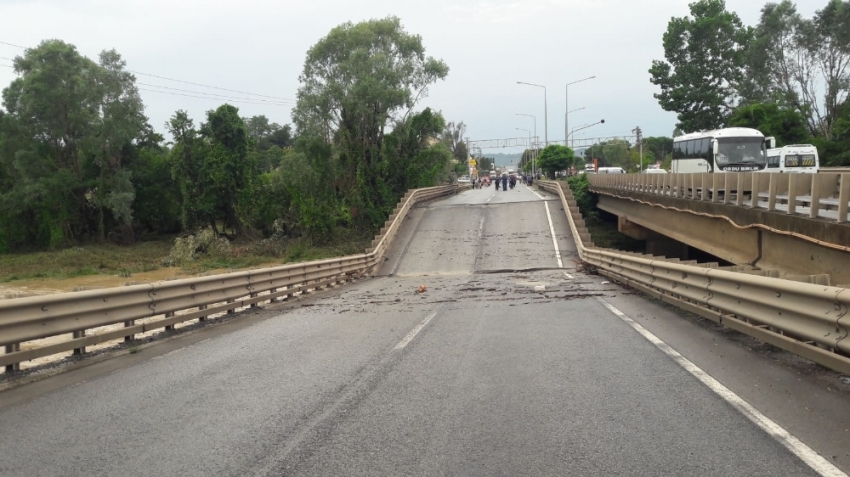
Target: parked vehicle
x,y
611,170
721,150
801,158
464,179
654,171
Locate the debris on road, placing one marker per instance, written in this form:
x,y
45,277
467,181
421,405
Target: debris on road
x,y
422,289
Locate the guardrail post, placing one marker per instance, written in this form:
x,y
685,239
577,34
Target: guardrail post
x,y
232,310
202,317
131,336
253,295
11,348
792,193
739,189
82,349
771,192
169,327
815,205
843,197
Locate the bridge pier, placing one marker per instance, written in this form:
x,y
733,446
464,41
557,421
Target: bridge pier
x,y
656,243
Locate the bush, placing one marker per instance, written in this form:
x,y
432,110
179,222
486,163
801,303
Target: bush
x,y
203,244
585,199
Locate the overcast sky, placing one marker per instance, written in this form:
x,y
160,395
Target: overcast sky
x,y
258,46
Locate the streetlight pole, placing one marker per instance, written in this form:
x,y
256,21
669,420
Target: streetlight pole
x,y
567,105
529,141
531,147
545,111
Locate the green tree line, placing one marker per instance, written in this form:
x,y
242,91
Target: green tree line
x,y
787,76
79,160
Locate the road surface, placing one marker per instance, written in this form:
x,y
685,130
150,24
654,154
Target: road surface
x,y
509,364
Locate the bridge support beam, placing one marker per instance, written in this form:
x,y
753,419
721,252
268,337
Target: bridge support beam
x,y
719,237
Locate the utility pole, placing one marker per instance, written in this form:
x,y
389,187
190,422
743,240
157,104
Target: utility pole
x,y
639,135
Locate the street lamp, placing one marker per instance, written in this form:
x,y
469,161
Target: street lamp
x,y
529,142
567,104
602,121
533,153
545,112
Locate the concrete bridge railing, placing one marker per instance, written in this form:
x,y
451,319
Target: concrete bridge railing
x,y
823,195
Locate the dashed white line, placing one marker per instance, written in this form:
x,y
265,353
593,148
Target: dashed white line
x,y
407,339
820,465
554,238
568,275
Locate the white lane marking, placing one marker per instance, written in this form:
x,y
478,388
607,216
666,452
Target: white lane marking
x,y
568,275
407,339
805,453
535,193
554,238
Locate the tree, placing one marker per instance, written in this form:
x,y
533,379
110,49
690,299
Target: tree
x,y
704,65
70,131
227,171
659,146
803,63
555,158
453,138
784,123
357,82
485,164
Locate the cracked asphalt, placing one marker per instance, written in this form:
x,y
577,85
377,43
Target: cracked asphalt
x,y
505,365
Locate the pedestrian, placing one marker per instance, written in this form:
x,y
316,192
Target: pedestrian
x,y
505,182
497,183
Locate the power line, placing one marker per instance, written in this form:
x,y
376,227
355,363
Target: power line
x,y
12,44
278,98
207,97
4,58
208,86
213,94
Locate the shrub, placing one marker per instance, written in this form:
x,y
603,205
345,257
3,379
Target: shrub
x,y
203,244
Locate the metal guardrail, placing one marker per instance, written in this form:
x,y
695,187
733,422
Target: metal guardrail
x,y
825,195
34,318
809,320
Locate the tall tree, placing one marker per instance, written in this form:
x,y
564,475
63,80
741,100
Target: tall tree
x,y
803,63
357,82
228,172
704,65
71,125
453,137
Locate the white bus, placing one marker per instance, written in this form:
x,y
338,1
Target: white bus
x,y
721,150
794,158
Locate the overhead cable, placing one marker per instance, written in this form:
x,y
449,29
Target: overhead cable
x,y
212,87
208,97
213,94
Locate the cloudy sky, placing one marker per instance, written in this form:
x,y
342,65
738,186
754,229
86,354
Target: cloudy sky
x,y
258,46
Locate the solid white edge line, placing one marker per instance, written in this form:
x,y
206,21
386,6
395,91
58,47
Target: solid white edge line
x,y
554,238
805,453
407,339
535,193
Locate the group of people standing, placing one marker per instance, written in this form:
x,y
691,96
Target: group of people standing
x,y
504,181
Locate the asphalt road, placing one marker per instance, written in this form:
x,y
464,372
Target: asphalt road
x,y
506,365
